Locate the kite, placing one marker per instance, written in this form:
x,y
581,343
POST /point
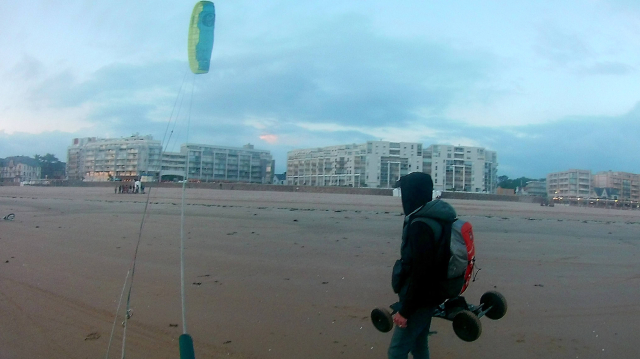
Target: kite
x,y
200,43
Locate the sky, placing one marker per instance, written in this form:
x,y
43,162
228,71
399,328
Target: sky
x,y
549,85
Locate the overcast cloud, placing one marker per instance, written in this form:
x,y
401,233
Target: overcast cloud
x,y
549,86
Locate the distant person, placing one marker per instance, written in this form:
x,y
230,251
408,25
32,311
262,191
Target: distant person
x,y
137,186
424,262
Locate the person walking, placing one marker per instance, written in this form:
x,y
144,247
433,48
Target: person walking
x,y
422,267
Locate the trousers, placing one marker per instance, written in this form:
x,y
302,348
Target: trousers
x,y
414,338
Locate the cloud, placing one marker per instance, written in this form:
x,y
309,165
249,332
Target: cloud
x,y
560,48
589,142
268,138
28,144
609,68
26,69
349,75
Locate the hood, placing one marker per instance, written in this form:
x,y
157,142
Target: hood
x,y
437,209
416,191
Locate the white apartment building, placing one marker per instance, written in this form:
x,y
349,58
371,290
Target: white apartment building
x,y
571,183
141,157
341,165
387,161
103,159
377,164
19,169
461,168
218,163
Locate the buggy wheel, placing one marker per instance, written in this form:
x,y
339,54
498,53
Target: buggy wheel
x,y
467,326
497,302
381,319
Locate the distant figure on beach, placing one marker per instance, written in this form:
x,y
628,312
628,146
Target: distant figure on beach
x,y
137,186
424,260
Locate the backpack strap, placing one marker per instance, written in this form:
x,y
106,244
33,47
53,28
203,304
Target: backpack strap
x,y
439,227
435,226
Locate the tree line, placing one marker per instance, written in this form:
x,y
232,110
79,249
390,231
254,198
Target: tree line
x,y
506,182
50,166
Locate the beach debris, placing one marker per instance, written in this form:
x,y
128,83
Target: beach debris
x,y
231,233
173,325
227,342
538,285
204,275
295,220
92,336
197,283
325,282
9,217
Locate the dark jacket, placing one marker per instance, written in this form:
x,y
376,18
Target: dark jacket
x,y
418,275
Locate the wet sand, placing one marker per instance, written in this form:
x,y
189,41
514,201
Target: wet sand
x,y
295,275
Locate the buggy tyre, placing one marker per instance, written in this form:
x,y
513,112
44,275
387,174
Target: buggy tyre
x,y
467,326
381,319
497,302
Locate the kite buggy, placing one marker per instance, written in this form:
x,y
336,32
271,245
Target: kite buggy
x,y
465,316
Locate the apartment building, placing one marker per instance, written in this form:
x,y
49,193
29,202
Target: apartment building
x,y
103,159
571,183
218,163
19,169
342,165
377,164
461,168
386,162
626,185
535,188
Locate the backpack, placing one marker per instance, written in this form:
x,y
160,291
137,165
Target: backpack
x,y
456,255
463,257
456,258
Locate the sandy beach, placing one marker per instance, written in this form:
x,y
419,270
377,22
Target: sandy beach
x,y
295,275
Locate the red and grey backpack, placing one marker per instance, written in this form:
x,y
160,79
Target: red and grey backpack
x,y
459,260
463,256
